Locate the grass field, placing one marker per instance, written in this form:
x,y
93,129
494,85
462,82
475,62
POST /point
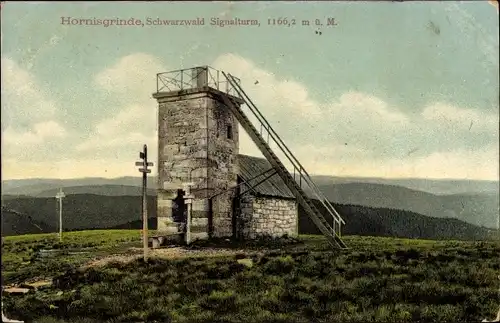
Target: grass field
x,y
377,279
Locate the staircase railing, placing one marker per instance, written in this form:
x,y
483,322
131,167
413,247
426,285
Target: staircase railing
x,y
303,176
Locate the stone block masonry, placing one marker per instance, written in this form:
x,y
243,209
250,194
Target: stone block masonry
x,y
268,217
197,143
223,145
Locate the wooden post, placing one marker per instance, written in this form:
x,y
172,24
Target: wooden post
x,y
60,196
144,170
188,200
145,212
210,217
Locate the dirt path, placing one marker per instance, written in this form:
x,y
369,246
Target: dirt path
x,y
132,254
165,253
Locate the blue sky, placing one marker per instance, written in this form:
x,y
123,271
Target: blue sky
x,y
394,90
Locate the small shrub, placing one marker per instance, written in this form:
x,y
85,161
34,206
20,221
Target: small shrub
x,y
279,265
220,301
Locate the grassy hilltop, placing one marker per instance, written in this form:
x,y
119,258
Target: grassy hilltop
x,y
291,280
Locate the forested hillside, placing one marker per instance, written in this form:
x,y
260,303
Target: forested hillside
x,y
87,211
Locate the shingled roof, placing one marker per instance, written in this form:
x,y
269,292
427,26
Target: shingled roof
x,y
250,166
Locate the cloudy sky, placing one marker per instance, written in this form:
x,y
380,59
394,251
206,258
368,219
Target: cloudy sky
x,y
394,90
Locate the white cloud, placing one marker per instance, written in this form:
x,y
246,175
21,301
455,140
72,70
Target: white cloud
x,y
127,132
460,117
262,86
355,134
288,107
299,120
119,142
71,168
460,164
49,129
133,80
358,134
355,105
109,149
23,100
133,76
40,133
29,124
131,118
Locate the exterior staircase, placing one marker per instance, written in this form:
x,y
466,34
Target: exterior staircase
x,y
300,181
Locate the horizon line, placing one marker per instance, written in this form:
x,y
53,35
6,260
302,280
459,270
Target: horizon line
x,y
312,175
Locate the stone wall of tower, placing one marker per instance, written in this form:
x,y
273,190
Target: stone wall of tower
x,y
223,147
182,153
193,147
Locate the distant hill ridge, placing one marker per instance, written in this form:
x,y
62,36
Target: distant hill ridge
x,y
107,190
91,211
434,186
480,209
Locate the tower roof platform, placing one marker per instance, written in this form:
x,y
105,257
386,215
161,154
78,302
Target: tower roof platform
x,y
194,80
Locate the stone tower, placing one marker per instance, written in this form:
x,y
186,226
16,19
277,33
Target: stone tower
x,y
197,144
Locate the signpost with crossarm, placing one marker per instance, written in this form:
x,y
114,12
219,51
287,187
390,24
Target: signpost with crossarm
x,y
144,170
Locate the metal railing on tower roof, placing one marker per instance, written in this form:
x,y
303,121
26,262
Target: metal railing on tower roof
x,y
193,78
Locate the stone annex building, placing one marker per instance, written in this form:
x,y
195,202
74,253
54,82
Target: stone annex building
x,y
202,176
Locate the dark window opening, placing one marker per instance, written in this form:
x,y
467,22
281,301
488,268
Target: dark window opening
x,y
229,132
179,208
